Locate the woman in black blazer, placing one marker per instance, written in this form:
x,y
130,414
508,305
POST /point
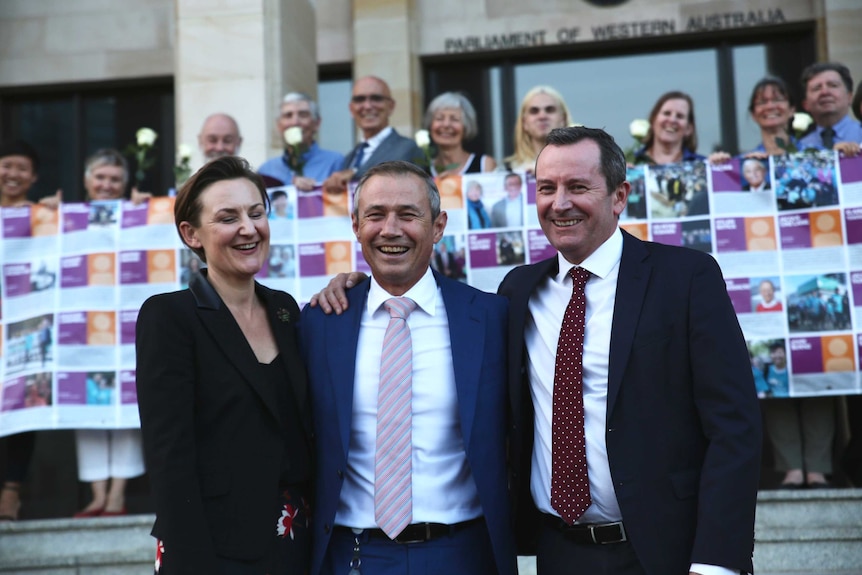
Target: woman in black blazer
x,y
222,394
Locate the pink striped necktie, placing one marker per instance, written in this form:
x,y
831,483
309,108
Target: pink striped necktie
x,y
393,492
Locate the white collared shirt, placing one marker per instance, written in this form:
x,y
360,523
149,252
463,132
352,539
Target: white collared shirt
x,y
444,490
374,143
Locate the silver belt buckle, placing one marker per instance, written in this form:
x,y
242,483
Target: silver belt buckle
x,y
623,536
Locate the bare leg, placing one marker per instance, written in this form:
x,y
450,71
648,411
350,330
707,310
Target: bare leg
x,y
116,502
100,492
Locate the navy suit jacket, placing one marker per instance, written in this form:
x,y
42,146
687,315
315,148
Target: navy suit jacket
x,y
477,328
683,425
394,147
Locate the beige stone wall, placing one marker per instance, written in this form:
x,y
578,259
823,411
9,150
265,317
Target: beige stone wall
x,y
843,31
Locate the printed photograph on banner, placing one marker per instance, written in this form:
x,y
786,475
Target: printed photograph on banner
x,y
32,390
538,247
769,367
86,387
318,262
640,230
804,181
30,286
851,178
449,257
128,319
742,185
88,280
759,304
147,272
823,365
677,190
281,262
86,338
636,207
492,255
322,216
694,234
29,344
44,221
814,229
25,233
148,224
532,216
282,204
817,302
190,266
452,201
495,200
103,214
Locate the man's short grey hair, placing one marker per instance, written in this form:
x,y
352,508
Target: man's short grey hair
x,y
400,168
302,97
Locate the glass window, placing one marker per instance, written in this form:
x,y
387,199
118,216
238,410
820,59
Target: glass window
x,y
749,67
337,131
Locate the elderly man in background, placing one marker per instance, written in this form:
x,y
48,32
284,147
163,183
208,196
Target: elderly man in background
x,y
828,92
371,105
303,164
219,137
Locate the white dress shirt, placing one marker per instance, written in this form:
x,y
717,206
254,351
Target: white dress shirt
x,y
444,490
542,333
374,142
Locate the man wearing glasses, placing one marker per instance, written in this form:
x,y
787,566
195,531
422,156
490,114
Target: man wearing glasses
x,y
371,105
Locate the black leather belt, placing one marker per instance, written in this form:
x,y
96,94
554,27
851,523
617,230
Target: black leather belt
x,y
420,532
597,533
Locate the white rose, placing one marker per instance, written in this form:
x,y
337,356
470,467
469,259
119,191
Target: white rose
x,y
146,137
801,122
423,138
184,152
639,128
293,136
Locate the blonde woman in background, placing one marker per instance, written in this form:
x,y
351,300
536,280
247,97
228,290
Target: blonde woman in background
x,y
542,110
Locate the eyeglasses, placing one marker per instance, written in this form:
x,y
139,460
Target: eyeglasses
x,y
533,110
373,98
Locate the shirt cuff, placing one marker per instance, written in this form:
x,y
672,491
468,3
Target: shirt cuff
x,y
711,569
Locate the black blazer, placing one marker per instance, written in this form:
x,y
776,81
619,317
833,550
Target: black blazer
x,y
394,147
212,440
683,424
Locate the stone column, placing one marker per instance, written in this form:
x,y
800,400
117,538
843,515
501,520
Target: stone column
x,y
386,45
843,22
239,57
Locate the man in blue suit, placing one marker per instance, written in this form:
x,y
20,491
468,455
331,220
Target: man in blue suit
x,y
670,422
371,105
454,515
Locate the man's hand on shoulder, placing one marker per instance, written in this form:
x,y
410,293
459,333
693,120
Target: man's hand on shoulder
x,y
333,298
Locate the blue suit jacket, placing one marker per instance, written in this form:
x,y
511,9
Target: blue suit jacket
x,y
394,147
683,423
477,328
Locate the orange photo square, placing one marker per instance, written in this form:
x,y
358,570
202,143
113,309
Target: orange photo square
x,y
760,234
160,210
451,197
337,258
638,230
161,266
44,221
101,269
101,328
837,353
334,205
825,229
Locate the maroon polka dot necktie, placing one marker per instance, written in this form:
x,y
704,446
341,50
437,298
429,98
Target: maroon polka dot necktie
x,y
570,485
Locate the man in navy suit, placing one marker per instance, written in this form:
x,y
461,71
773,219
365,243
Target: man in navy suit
x,y
371,105
456,516
670,416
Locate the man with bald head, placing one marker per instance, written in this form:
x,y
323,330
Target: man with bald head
x,y
219,137
371,105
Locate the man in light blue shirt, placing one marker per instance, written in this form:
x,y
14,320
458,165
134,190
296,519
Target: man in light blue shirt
x,y
298,109
828,92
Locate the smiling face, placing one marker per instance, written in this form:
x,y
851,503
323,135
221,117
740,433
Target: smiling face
x,y
778,357
17,176
371,104
394,225
447,127
575,210
671,124
767,291
542,113
753,172
219,137
827,99
513,186
233,230
298,113
771,109
105,182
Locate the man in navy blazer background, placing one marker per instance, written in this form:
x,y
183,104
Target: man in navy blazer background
x,y
671,422
459,511
371,105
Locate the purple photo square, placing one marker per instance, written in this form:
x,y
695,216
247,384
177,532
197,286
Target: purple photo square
x,y
309,204
806,355
669,233
72,328
483,250
133,267
730,235
16,277
134,216
361,264
76,217
16,222
73,272
739,291
853,221
539,246
726,178
71,388
128,318
128,387
531,189
851,169
14,391
312,259
795,231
